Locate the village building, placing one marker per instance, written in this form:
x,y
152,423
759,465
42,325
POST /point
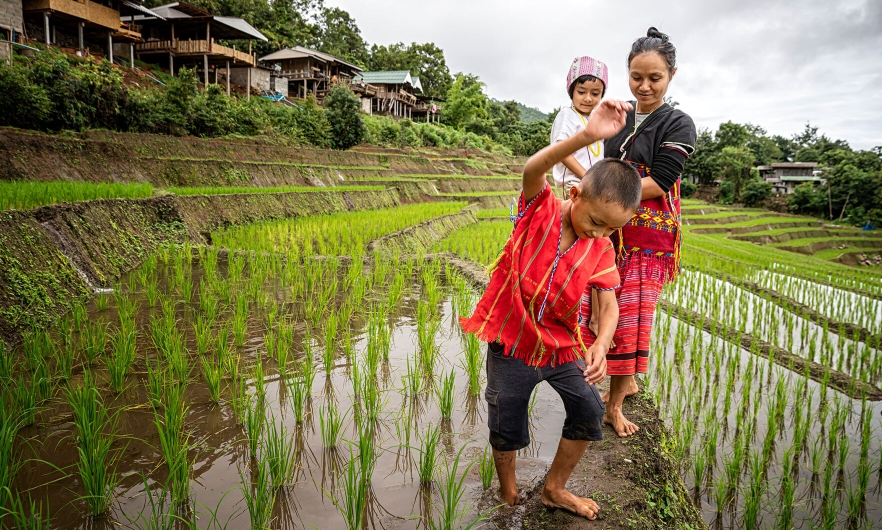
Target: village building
x,y
83,26
188,35
309,71
427,108
396,92
11,25
785,176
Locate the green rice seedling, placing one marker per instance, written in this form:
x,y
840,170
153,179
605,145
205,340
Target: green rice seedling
x,y
788,490
452,510
445,395
330,335
753,495
254,424
259,380
240,321
285,342
413,380
155,515
279,453
121,359
65,362
157,379
212,373
259,495
174,442
10,423
427,330
472,362
299,395
37,347
7,363
24,516
331,424
102,301
26,398
186,288
721,494
352,503
371,399
78,314
429,457
94,341
202,331
95,465
487,468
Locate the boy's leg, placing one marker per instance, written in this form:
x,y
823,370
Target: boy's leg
x,y
555,494
505,471
582,425
620,386
510,383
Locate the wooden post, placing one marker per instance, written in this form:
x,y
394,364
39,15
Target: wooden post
x,y
228,78
80,35
173,33
132,54
171,64
110,46
208,34
248,88
205,67
46,26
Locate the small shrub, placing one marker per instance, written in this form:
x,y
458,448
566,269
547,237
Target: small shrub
x,y
687,189
343,110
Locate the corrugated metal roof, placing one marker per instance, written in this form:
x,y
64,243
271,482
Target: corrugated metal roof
x,y
240,25
300,52
417,85
142,9
390,77
794,165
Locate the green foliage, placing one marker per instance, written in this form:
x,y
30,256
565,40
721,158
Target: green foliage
x,y
424,60
466,102
755,192
388,132
531,114
26,195
727,192
734,164
338,35
687,189
343,111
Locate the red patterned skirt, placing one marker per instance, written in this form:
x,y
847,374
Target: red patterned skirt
x,y
638,296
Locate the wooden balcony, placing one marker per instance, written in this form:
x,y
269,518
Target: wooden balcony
x,y
184,48
84,10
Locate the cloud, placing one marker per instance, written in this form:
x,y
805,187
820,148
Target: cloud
x,y
776,65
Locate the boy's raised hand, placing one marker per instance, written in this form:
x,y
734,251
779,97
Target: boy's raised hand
x,y
595,364
606,120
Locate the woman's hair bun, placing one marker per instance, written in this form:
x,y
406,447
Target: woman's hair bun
x,y
654,33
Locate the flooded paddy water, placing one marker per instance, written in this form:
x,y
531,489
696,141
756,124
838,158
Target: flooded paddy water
x,y
247,393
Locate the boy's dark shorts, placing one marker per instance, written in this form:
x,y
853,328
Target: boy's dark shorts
x,y
510,384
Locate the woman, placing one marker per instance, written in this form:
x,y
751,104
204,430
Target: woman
x,y
657,140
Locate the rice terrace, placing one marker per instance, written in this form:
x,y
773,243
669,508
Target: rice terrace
x,y
235,275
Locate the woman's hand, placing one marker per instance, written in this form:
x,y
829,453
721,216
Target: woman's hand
x,y
606,120
595,364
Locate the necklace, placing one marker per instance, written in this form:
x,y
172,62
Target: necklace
x,y
591,148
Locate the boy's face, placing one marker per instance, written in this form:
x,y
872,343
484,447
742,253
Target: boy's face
x,y
587,95
592,217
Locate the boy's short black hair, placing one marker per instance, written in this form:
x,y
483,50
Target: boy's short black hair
x,y
615,181
583,79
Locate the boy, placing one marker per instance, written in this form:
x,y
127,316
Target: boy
x,y
530,311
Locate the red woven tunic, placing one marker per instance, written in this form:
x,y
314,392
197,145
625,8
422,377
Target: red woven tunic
x,y
532,304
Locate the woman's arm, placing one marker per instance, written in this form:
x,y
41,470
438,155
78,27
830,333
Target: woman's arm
x,y
606,120
573,165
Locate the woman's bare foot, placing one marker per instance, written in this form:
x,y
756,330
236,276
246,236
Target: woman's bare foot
x,y
563,499
632,390
615,417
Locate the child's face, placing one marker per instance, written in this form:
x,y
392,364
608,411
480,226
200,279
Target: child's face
x,y
592,217
587,95
649,79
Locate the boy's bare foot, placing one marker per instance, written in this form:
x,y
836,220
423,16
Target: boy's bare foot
x,y
620,424
563,499
633,390
510,498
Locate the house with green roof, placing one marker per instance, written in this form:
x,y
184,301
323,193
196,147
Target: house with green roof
x,y
310,71
396,91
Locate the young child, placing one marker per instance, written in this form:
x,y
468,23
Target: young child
x,y
530,311
586,86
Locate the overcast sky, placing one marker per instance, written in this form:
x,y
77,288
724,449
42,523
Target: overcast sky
x,y
774,64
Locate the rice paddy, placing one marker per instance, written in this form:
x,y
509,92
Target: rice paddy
x,y
763,441
297,381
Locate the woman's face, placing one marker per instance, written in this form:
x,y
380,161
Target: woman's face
x,y
649,80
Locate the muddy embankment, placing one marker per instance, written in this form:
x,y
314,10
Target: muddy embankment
x,y
635,480
168,161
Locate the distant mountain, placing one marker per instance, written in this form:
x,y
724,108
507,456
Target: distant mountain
x,y
531,114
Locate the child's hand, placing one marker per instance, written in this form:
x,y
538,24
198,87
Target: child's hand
x,y
607,119
595,364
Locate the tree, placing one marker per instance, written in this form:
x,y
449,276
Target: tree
x,y
755,192
731,134
703,163
343,110
466,101
424,60
734,164
338,35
